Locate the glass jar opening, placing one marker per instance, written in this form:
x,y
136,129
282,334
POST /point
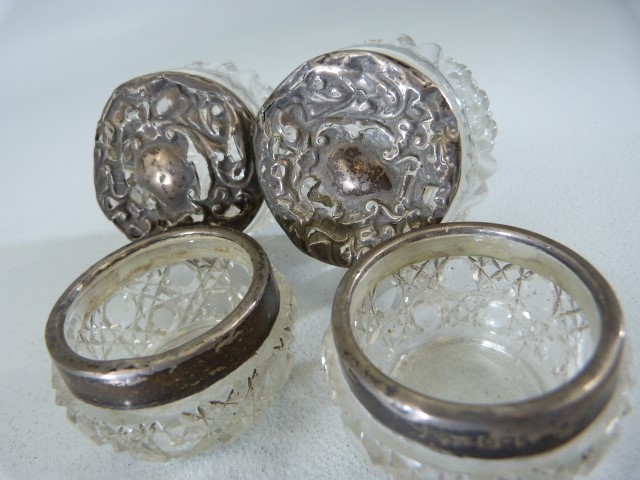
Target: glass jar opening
x,y
507,324
159,298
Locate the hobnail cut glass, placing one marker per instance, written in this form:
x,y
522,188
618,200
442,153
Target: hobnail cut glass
x,y
476,330
155,312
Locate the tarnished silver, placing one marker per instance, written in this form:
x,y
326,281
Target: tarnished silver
x,y
175,148
355,147
187,368
498,430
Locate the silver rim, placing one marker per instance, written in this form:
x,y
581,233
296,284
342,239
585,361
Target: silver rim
x,y
181,371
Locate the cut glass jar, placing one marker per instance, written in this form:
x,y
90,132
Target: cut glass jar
x,y
365,143
174,343
477,351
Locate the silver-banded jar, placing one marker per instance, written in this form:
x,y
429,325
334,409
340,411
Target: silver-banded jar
x,y
478,351
362,144
173,343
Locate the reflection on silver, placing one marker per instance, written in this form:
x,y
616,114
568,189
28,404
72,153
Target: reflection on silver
x,y
184,368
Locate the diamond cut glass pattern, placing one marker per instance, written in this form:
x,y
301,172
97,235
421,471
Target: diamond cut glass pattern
x,y
422,325
160,309
163,308
210,417
407,460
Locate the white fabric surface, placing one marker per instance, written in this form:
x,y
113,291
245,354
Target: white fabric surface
x,y
564,82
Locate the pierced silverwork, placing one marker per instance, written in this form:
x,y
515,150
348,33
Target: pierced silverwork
x,y
355,147
175,148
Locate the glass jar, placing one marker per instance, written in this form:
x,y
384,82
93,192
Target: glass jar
x,y
174,343
477,351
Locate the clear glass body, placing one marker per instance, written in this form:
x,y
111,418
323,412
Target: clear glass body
x,y
159,309
156,310
406,459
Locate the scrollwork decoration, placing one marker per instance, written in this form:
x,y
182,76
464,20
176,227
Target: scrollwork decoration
x,y
355,147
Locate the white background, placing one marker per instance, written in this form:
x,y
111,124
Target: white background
x,y
564,82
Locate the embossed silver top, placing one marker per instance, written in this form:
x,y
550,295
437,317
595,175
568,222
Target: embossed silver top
x,y
175,148
355,147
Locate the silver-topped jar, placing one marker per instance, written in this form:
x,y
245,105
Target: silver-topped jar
x,y
362,144
179,340
478,351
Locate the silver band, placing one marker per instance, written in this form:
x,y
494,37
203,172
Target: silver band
x,y
485,431
187,368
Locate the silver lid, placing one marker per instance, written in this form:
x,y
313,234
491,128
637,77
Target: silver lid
x,y
355,147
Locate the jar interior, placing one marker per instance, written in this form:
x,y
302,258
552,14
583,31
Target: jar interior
x,y
472,329
158,298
